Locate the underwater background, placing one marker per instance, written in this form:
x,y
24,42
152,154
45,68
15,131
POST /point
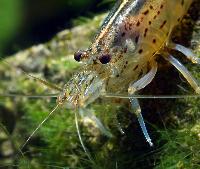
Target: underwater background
x,y
40,37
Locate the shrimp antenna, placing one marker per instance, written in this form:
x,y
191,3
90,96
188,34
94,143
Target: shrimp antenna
x,y
46,118
49,85
30,96
80,138
124,96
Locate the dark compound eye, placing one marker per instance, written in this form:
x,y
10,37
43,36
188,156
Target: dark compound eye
x,y
77,56
104,59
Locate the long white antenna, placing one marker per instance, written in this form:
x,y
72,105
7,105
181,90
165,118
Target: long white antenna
x,y
150,96
80,138
29,95
46,118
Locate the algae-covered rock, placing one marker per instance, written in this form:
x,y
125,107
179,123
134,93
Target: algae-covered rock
x,y
173,123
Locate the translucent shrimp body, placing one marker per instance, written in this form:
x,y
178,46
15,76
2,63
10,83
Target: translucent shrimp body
x,y
122,57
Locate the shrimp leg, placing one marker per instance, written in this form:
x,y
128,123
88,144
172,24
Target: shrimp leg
x,y
137,110
183,70
187,52
86,113
141,83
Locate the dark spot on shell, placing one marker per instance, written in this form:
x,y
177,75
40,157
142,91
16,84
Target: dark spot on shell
x,y
158,12
140,74
149,22
140,51
137,39
163,24
78,55
104,59
135,67
154,41
151,7
138,23
146,12
125,50
145,32
161,6
182,2
123,34
95,62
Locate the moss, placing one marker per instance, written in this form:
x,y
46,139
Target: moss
x,y
174,124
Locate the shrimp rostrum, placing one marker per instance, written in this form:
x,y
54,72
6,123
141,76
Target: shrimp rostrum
x,y
122,57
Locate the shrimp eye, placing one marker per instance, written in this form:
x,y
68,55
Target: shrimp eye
x,y
77,56
104,59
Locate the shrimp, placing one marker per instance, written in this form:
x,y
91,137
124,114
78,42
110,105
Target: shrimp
x,y
122,57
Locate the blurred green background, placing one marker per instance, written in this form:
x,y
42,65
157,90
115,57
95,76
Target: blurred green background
x,y
27,22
